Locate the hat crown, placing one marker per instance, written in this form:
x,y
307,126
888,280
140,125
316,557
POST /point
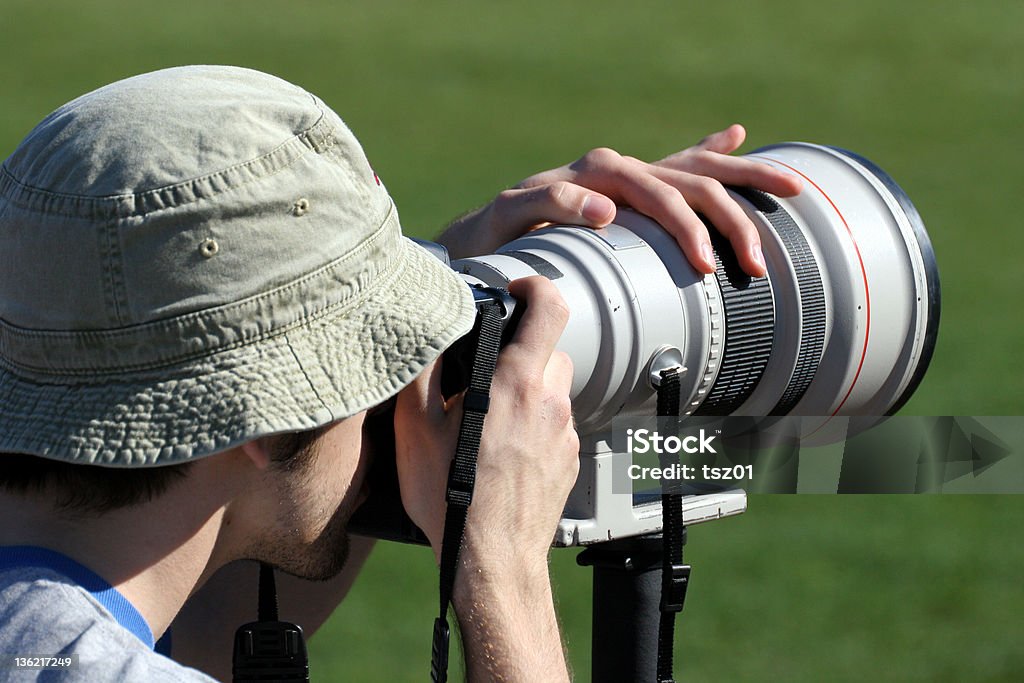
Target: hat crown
x,y
160,128
175,192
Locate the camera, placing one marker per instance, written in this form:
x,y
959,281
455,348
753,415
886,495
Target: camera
x,y
844,323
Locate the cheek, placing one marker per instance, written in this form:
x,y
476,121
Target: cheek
x,y
343,460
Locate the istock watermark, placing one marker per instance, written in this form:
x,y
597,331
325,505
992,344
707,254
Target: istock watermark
x,y
642,441
864,454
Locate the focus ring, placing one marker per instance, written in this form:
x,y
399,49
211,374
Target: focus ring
x,y
749,331
812,297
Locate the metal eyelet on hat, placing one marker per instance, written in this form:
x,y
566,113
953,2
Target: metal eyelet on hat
x,y
300,207
209,247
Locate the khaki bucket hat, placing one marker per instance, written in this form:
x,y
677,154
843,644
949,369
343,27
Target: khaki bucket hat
x,y
196,257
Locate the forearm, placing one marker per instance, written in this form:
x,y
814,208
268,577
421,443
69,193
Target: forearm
x,y
507,618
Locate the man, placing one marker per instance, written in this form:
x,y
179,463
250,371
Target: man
x,y
204,288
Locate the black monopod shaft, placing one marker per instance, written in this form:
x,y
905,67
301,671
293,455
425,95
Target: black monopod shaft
x,y
627,598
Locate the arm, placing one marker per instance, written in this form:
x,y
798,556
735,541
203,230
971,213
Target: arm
x,y
670,191
528,462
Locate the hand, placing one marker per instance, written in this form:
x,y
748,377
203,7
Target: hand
x,y
528,459
527,464
670,191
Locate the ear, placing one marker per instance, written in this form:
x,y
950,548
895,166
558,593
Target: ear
x,y
258,451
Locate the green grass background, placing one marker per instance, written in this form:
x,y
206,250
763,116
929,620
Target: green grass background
x,y
454,101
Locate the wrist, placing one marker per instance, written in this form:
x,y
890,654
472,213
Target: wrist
x,y
507,620
486,573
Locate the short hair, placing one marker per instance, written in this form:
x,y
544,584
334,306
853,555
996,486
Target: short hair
x,y
86,488
90,489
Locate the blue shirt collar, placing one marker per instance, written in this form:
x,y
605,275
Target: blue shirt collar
x,y
19,556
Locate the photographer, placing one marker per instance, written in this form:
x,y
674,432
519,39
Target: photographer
x,y
204,290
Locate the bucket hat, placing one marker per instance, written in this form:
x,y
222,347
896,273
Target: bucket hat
x,y
197,257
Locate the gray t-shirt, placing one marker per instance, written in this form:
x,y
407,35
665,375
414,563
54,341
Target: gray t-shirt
x,y
52,606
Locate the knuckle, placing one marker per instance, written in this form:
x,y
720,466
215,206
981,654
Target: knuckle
x,y
667,194
522,389
710,189
600,157
507,197
572,454
564,361
561,409
557,192
530,383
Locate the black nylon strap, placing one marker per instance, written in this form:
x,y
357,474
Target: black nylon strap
x,y
462,476
674,574
267,606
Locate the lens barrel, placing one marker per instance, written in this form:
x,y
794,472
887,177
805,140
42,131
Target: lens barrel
x,y
845,321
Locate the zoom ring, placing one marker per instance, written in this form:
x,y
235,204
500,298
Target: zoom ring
x,y
749,332
812,297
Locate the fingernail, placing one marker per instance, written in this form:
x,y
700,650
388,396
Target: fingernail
x,y
597,208
757,256
709,256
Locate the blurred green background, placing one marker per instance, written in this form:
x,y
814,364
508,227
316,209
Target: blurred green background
x,y
454,101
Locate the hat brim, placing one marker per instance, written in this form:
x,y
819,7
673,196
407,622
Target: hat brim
x,y
329,368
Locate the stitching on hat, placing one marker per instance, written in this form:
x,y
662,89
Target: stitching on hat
x,y
10,334
302,368
326,140
110,252
27,197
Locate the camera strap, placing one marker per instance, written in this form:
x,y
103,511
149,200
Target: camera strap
x,y
462,475
268,649
675,576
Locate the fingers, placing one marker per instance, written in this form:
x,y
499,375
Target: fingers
x,y
673,198
710,197
631,181
724,141
559,201
737,171
672,206
541,325
671,191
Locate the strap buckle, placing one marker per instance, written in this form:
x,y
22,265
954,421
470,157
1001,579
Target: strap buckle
x,y
476,400
673,588
439,651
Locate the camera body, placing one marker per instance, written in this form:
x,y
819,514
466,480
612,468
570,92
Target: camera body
x,y
382,514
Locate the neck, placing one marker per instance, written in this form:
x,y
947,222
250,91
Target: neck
x,y
155,554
